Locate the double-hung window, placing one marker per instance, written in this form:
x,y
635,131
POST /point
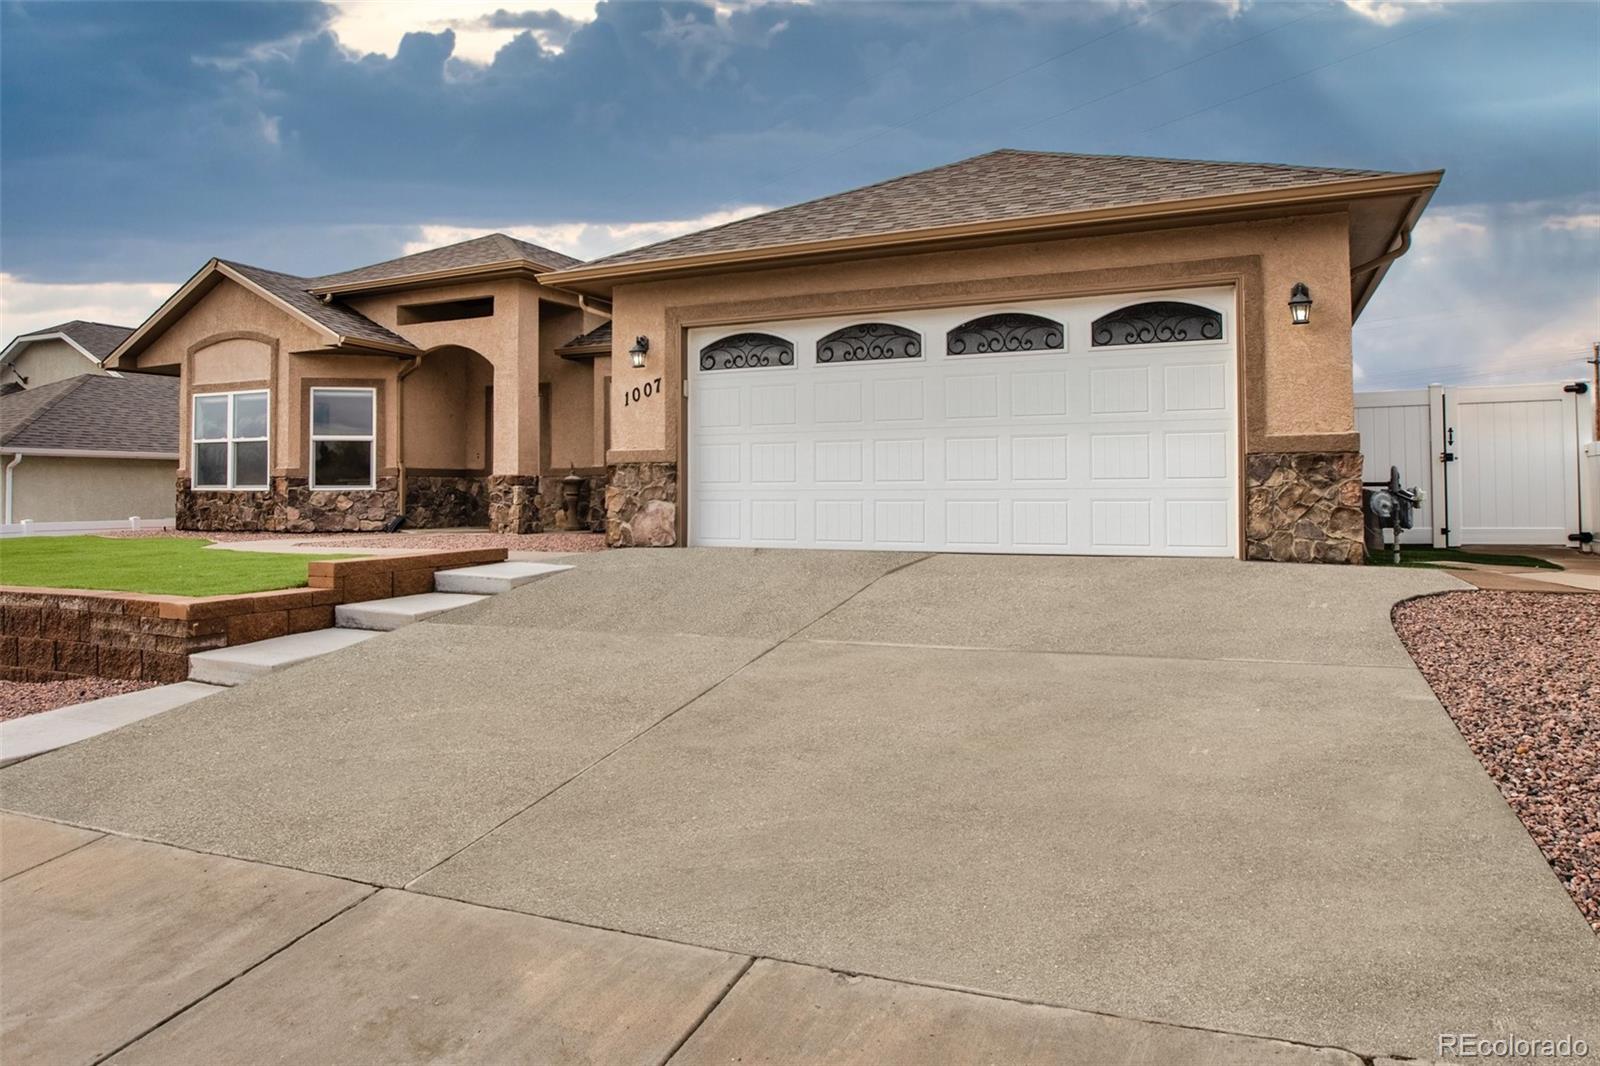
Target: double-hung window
x,y
230,441
343,435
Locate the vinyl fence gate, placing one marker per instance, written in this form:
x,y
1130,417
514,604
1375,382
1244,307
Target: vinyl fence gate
x,y
1501,464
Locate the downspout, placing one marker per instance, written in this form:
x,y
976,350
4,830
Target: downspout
x,y
10,467
1387,257
400,427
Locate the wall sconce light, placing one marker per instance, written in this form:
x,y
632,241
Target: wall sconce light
x,y
1299,304
641,345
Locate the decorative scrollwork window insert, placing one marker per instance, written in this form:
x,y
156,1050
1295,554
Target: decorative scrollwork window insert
x,y
747,350
1006,332
1157,322
869,341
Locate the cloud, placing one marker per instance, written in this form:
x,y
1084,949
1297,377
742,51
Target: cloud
x,y
1491,293
481,29
1589,220
1389,12
583,240
27,306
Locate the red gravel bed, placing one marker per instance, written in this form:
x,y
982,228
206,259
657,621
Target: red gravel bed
x,y
19,698
525,542
1519,672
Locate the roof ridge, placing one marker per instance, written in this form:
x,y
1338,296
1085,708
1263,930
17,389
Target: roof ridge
x,y
73,384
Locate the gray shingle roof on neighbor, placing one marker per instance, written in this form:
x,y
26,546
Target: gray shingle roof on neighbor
x,y
599,337
99,339
94,412
998,186
480,251
335,316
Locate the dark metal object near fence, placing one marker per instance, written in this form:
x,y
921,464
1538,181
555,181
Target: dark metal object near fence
x,y
1385,505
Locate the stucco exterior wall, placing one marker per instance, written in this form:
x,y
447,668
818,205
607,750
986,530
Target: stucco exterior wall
x,y
42,362
50,489
1296,381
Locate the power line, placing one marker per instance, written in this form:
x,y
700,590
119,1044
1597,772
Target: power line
x,y
1283,81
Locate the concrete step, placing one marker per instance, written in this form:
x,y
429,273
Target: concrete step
x,y
48,730
398,611
493,577
238,664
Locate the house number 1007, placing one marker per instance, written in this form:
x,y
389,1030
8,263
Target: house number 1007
x,y
641,392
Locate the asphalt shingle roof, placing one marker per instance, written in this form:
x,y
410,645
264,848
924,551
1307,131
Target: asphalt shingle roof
x,y
99,339
94,412
595,338
480,251
998,186
294,291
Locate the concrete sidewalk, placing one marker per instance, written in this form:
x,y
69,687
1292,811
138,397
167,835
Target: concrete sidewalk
x,y
142,953
1205,793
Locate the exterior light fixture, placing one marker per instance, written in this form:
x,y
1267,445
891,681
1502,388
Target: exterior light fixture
x,y
641,345
1300,304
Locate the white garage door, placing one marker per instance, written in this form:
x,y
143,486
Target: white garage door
x,y
1088,426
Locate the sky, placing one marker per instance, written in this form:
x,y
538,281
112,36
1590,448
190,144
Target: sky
x,y
138,139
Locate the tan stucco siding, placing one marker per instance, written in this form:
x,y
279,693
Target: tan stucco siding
x,y
50,489
226,361
1304,384
42,362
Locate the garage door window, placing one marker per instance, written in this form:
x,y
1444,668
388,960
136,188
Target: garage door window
x,y
744,351
230,441
1006,332
1157,322
867,342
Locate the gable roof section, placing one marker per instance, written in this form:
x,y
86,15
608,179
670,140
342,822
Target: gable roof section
x,y
999,193
495,250
135,415
95,340
335,317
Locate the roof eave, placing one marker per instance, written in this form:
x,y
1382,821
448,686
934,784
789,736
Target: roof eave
x,y
87,453
598,279
1369,286
18,343
480,272
583,351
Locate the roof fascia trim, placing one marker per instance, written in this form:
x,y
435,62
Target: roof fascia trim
x,y
18,343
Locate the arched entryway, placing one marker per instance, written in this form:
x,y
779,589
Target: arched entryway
x,y
447,438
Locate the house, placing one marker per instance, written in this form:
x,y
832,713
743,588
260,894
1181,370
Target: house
x,y
57,353
1018,352
91,448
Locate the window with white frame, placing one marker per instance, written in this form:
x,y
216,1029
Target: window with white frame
x,y
344,452
230,441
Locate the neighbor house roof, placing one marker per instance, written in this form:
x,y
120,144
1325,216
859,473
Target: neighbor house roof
x,y
1005,191
96,340
495,249
128,416
597,339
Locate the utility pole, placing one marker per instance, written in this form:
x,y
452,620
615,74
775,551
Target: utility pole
x,y
1594,361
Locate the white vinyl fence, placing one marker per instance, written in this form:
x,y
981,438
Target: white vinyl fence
x,y
1501,464
26,528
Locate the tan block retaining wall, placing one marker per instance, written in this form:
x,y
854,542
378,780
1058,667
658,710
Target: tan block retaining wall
x,y
55,634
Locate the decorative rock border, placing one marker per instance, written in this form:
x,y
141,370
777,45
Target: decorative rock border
x,y
55,634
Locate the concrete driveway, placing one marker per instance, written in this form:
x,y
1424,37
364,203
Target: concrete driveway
x,y
1204,793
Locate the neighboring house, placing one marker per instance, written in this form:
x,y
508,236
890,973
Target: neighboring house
x,y
1018,352
91,448
58,353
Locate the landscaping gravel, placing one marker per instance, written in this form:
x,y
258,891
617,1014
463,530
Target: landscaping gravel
x,y
19,698
536,542
1519,672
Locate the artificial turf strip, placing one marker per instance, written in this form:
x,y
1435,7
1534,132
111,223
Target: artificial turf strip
x,y
172,566
1443,557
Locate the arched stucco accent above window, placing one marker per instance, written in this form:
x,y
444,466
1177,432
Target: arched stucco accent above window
x,y
1156,322
1008,331
869,341
743,351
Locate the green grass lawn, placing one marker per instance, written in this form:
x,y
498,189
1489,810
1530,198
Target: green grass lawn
x,y
174,566
1441,558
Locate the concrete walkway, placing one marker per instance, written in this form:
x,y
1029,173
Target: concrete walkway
x,y
1206,794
